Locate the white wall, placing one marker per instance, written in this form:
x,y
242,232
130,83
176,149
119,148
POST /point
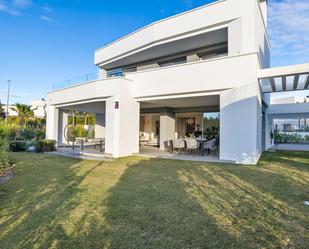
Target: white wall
x,y
196,76
38,107
167,127
99,127
122,125
186,24
52,122
62,123
240,124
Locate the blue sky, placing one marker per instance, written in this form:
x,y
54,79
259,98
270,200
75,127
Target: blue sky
x,y
42,42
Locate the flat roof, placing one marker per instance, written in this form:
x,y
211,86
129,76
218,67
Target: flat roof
x,y
282,79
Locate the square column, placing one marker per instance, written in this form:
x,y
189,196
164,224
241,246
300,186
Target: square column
x,y
122,125
63,121
241,124
52,115
99,127
56,121
167,127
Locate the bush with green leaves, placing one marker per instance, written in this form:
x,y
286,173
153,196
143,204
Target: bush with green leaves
x,y
288,138
45,145
4,147
18,145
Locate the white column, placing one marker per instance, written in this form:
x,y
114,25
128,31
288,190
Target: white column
x,y
62,123
269,142
241,124
167,127
99,127
122,125
52,114
56,120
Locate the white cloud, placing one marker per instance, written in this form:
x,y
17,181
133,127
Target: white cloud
x,y
3,7
13,8
289,28
47,8
22,4
46,18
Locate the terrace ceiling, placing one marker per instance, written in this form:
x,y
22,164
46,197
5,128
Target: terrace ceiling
x,y
282,79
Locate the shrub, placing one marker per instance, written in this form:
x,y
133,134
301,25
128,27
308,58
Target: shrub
x,y
39,134
27,133
4,147
45,145
16,146
288,138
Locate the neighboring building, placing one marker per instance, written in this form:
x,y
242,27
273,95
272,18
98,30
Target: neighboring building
x,y
160,80
289,100
39,107
11,110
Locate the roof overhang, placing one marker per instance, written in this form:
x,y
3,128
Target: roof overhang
x,y
282,79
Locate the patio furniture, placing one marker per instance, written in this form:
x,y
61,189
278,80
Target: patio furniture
x,y
168,146
97,142
143,138
79,141
192,145
178,144
91,141
210,145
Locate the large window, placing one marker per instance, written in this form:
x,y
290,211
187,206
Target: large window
x,y
115,73
172,62
291,125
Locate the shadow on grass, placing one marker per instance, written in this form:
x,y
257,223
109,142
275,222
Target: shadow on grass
x,y
152,203
170,204
39,200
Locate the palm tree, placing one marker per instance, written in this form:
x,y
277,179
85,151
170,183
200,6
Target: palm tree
x,y
2,112
25,113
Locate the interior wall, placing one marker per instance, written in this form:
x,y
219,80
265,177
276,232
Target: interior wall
x,y
148,124
181,122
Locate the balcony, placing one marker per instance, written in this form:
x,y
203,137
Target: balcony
x,y
75,81
194,77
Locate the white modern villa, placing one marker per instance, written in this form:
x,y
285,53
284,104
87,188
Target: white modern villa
x,y
157,83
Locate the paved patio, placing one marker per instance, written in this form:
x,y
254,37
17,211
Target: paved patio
x,y
157,153
88,153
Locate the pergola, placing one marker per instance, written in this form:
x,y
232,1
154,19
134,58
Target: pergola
x,y
282,79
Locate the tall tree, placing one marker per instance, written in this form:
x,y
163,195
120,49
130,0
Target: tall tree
x,y
2,112
25,113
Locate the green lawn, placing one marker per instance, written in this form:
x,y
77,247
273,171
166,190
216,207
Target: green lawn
x,y
57,202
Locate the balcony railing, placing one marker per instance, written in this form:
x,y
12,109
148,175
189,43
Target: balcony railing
x,y
75,81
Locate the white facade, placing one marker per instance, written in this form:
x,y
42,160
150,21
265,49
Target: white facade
x,y
206,59
37,106
12,112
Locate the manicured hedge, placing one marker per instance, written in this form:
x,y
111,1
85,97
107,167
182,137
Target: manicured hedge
x,y
45,145
17,146
290,138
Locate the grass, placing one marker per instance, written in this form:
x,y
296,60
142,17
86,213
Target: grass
x,y
133,202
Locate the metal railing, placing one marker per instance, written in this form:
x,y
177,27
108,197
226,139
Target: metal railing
x,y
75,81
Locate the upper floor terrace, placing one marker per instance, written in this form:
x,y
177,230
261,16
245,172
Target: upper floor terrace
x,y
240,25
